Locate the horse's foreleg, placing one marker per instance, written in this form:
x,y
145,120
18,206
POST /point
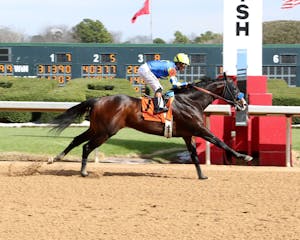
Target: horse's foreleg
x,y
76,142
192,149
208,136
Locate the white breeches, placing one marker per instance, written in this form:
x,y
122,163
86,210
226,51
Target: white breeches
x,y
149,77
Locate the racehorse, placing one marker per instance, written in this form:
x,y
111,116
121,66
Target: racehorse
x,y
109,114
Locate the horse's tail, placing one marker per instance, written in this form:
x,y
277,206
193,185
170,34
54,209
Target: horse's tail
x,y
63,120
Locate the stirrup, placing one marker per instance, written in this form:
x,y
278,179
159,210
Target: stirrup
x,y
160,110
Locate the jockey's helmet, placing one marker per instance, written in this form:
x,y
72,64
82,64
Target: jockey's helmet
x,y
182,58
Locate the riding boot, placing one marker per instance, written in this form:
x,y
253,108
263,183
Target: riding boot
x,y
159,105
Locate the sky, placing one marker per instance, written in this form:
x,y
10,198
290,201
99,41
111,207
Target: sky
x,y
190,17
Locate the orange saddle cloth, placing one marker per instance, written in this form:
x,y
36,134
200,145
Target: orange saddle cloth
x,y
148,110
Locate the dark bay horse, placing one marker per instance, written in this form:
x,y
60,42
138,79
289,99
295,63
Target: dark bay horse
x,y
111,113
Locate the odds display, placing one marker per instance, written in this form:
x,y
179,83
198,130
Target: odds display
x,y
63,62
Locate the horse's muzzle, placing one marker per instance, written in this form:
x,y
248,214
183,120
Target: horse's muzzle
x,y
241,105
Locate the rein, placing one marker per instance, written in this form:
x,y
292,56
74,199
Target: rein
x,y
213,94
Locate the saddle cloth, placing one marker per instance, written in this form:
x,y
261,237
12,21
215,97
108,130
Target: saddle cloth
x,y
148,110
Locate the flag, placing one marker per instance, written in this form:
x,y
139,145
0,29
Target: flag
x,y
289,4
142,11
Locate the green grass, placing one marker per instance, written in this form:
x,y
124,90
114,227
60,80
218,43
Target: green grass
x,y
127,142
37,89
279,88
296,139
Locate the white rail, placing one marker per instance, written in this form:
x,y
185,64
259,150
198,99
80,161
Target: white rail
x,y
16,106
288,112
258,110
21,106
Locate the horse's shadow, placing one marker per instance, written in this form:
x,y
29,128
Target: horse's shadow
x,y
93,174
134,174
65,173
36,169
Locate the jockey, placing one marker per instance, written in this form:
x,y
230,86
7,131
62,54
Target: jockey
x,y
152,71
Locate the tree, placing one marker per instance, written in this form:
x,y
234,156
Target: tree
x,y
139,39
158,41
180,38
116,36
89,31
209,38
281,32
7,35
54,34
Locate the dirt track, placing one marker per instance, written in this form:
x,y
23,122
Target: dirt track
x,y
148,201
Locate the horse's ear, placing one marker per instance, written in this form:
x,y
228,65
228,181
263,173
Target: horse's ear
x,y
227,79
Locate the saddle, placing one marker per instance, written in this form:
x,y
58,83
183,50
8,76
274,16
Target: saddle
x,y
148,110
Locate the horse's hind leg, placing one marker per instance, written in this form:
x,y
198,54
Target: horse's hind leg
x,y
83,137
192,149
87,149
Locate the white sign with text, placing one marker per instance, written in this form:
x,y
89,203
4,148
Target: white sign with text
x,y
243,30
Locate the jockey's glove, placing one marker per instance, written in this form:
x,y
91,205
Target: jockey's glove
x,y
180,85
240,96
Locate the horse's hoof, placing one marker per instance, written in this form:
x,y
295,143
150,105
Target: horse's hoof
x,y
248,158
50,160
84,174
203,177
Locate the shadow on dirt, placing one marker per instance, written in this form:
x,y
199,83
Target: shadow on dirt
x,y
27,172
41,169
134,174
65,173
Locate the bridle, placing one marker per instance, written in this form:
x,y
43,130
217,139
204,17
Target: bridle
x,y
234,103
